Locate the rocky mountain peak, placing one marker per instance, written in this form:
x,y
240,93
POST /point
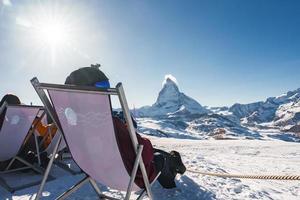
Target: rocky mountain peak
x,y
171,100
169,93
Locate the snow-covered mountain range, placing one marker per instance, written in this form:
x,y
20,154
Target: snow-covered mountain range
x,y
281,110
176,114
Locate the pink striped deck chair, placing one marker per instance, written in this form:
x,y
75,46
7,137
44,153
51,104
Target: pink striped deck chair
x,y
84,117
15,129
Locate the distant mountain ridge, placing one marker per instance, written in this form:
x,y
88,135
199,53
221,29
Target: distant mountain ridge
x,y
279,111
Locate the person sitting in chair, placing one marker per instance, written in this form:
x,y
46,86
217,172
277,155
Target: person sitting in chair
x,y
155,160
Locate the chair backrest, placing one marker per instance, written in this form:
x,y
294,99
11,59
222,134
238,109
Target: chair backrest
x,y
87,126
17,122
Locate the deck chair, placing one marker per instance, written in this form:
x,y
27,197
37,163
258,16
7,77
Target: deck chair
x,y
84,117
15,128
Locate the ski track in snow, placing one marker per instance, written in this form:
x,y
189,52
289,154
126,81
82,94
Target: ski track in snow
x,y
230,156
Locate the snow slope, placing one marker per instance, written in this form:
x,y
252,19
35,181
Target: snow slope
x,y
194,127
288,115
224,156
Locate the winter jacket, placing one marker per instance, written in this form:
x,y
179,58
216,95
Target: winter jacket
x,y
43,130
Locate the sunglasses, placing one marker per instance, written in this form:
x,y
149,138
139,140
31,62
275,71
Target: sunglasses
x,y
102,84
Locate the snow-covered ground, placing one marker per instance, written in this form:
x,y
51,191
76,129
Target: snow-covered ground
x,y
225,156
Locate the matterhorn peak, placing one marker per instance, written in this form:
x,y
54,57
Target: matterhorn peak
x,y
170,90
169,79
171,101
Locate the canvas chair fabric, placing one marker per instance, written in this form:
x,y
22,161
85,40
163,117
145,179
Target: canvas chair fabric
x,y
87,124
17,122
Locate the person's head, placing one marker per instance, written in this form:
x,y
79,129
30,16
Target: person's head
x,y
88,76
10,99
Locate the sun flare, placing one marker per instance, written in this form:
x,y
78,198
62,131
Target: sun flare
x,y
52,33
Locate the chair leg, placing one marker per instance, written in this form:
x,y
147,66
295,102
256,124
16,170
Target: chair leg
x,y
141,195
38,195
29,165
73,188
9,164
96,188
14,170
134,171
144,190
146,180
98,191
37,148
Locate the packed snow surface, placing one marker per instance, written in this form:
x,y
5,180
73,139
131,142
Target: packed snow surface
x,y
273,157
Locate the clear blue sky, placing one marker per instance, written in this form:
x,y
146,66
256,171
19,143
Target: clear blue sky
x,y
221,52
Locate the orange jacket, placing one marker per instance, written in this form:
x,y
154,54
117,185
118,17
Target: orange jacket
x,y
43,130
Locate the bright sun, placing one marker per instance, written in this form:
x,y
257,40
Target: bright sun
x,y
52,33
51,30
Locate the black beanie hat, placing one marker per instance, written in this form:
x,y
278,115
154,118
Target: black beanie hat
x,y
86,76
10,99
